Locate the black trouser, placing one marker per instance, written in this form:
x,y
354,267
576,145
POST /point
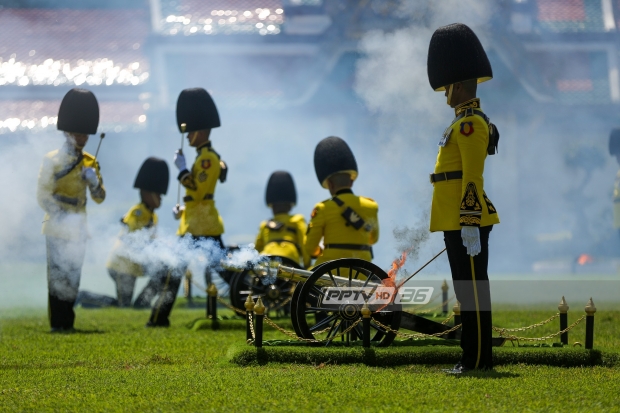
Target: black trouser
x,y
165,285
471,285
64,269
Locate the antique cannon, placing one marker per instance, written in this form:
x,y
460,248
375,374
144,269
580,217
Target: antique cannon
x,y
302,293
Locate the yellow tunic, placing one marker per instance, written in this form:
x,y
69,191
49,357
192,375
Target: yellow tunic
x,y
139,217
463,202
61,192
201,217
329,224
617,202
284,236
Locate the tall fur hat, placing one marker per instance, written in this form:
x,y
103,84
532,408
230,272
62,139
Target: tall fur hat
x,y
280,189
196,109
331,156
79,112
153,176
456,55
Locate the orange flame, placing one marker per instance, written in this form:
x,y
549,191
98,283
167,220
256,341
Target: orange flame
x,y
585,259
396,265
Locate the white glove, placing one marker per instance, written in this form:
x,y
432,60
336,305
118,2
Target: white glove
x,y
90,176
177,211
179,160
471,240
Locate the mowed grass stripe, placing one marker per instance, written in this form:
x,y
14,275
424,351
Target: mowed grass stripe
x,y
118,365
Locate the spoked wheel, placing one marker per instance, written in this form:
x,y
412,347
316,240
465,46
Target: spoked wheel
x,y
316,320
274,292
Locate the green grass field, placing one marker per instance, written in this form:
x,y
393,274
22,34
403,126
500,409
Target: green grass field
x,y
116,364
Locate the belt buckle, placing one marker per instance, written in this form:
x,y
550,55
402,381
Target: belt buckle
x,y
430,177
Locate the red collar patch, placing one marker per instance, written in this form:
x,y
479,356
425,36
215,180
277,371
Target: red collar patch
x,y
467,128
206,163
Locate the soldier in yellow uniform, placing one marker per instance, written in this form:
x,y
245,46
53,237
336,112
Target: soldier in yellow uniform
x,y
283,235
123,265
460,207
199,216
64,178
152,181
347,223
614,150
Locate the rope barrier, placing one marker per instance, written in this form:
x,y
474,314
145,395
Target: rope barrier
x,y
542,323
502,331
294,336
515,338
251,321
444,322
415,335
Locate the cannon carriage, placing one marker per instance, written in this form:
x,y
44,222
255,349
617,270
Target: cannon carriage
x,y
286,289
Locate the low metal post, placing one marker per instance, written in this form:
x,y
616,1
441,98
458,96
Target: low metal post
x,y
457,313
444,297
590,310
366,313
456,309
249,307
259,314
187,288
563,308
212,301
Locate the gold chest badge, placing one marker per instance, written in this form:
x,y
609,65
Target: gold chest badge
x,y
202,176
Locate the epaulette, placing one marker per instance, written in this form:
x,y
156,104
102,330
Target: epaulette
x,y
493,132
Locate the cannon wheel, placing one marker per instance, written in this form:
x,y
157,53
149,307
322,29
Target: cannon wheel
x,y
272,295
295,300
311,317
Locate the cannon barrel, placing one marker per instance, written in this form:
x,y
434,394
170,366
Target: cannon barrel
x,y
298,275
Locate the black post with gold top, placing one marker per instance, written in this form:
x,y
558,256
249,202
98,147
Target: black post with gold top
x,y
457,313
563,308
259,315
212,301
444,297
366,313
590,310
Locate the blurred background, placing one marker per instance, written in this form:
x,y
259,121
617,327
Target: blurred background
x,y
286,74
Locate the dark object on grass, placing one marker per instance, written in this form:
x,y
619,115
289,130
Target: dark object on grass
x,y
563,308
590,310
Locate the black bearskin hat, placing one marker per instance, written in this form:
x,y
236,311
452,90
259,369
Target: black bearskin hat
x,y
614,142
79,112
153,176
280,189
332,155
456,55
196,109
